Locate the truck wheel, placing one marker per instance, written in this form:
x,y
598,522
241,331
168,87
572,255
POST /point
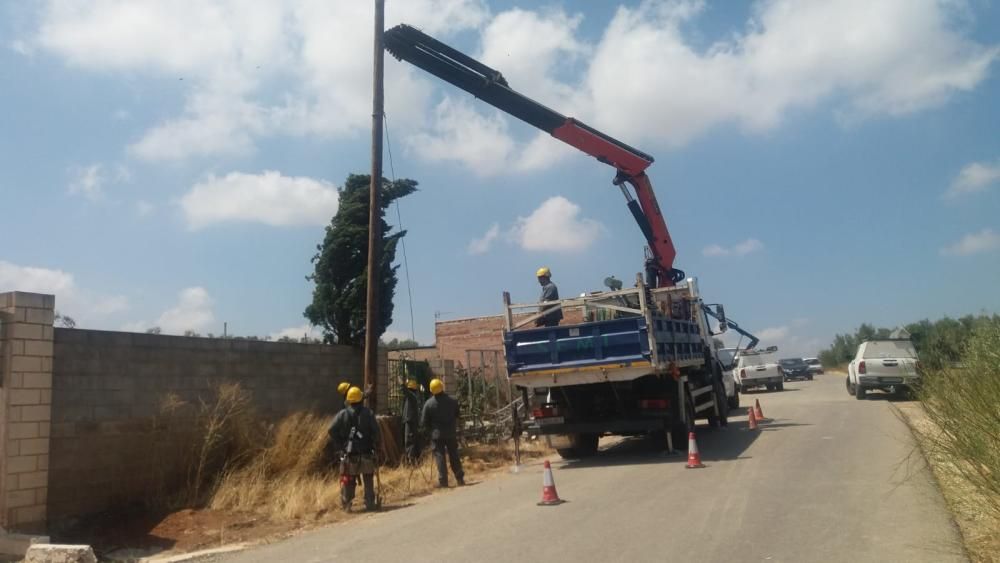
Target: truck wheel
x,y
850,389
809,377
780,386
859,392
734,401
720,402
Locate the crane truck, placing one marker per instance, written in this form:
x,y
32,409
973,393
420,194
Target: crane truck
x,y
643,360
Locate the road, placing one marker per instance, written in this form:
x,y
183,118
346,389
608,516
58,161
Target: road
x,y
828,478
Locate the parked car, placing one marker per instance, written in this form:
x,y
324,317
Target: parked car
x,y
888,365
727,358
815,367
795,368
756,369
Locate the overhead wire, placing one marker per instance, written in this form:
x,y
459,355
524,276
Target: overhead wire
x,y
399,221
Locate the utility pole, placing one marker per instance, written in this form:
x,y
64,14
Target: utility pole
x,y
375,215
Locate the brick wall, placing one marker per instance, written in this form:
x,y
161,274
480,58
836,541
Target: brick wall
x,y
107,390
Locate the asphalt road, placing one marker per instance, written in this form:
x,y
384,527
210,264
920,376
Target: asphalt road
x,y
828,478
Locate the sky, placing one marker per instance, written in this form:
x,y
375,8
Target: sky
x,y
820,163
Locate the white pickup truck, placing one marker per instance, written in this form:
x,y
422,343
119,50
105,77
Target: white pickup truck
x,y
889,365
756,369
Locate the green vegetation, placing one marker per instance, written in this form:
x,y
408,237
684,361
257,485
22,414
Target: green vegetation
x,y
938,343
341,264
964,401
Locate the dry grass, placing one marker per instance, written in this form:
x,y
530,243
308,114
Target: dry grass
x,y
971,505
291,478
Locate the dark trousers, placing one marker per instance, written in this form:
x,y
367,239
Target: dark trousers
x,y
449,445
411,441
348,485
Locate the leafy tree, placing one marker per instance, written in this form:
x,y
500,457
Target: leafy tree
x,y
339,297
154,330
397,344
64,321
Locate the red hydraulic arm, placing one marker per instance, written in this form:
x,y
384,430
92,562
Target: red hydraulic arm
x,y
418,48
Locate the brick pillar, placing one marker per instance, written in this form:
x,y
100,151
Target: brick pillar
x,y
26,338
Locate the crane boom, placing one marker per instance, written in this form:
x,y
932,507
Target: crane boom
x,y
421,50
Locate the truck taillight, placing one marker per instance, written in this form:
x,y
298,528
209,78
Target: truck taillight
x,y
546,411
743,373
861,368
654,404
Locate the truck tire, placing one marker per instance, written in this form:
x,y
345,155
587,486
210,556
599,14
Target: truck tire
x,y
859,392
780,386
581,445
734,401
809,377
850,388
722,419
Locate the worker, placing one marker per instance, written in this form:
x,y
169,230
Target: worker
x,y
549,293
354,434
411,420
343,388
440,416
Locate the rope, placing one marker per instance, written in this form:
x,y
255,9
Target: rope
x,y
399,220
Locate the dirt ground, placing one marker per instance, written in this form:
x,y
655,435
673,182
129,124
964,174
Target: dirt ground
x,y
979,526
129,536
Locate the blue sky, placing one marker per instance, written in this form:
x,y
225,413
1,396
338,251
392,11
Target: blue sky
x,y
819,164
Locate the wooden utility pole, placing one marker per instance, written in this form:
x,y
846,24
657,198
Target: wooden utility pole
x,y
375,215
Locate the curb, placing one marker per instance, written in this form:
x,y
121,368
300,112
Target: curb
x,y
194,555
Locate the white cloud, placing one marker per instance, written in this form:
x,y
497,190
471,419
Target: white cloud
x,y
193,311
860,58
974,178
775,333
88,308
268,198
482,245
974,243
88,182
556,226
231,58
461,134
297,332
748,246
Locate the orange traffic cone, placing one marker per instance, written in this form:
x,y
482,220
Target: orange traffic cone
x,y
694,457
759,413
753,419
549,495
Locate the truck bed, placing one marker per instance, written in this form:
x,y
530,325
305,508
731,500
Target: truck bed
x,y
607,350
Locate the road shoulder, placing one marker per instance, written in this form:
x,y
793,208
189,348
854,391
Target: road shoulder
x,y
977,525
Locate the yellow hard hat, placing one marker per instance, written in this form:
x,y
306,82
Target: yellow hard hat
x,y
412,384
343,388
354,395
543,272
437,386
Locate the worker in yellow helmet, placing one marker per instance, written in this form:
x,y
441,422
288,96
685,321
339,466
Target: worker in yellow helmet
x,y
411,420
343,388
440,415
549,293
355,435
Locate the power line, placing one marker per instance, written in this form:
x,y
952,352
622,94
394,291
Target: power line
x,y
402,241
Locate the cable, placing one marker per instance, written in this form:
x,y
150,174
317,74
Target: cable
x,y
402,240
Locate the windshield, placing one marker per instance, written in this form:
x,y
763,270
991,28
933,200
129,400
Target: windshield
x,y
890,349
791,362
726,355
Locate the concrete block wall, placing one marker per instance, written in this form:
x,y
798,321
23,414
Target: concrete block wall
x,y
108,389
26,359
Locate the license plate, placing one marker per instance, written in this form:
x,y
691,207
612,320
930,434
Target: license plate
x,y
892,380
549,420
